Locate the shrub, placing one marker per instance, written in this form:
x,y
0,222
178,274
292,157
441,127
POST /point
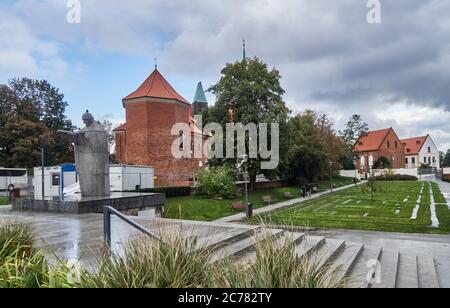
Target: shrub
x,y
175,263
396,177
15,239
181,262
217,182
21,266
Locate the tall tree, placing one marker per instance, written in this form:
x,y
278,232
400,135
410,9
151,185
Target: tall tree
x,y
354,129
37,104
248,92
446,162
314,145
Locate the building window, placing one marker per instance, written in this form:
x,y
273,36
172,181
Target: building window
x,y
396,144
389,144
429,160
56,179
413,160
429,149
406,160
424,160
434,159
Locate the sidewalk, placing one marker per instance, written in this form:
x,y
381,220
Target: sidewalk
x,y
270,208
445,189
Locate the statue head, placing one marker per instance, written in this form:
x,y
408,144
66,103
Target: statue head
x,y
88,118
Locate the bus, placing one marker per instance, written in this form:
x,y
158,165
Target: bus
x,y
13,178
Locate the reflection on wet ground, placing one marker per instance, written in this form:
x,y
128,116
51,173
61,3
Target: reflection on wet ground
x,y
80,237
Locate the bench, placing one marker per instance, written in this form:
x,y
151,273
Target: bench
x,y
267,199
288,195
238,206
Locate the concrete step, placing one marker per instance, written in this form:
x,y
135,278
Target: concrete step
x,y
246,245
309,245
327,252
345,261
407,272
217,241
367,268
389,269
443,271
428,278
288,237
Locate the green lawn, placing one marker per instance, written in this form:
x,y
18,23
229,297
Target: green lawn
x,y
203,209
4,201
353,209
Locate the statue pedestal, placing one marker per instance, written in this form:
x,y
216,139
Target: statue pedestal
x,y
126,203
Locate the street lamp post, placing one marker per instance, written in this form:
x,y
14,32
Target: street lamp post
x,y
247,204
43,175
331,176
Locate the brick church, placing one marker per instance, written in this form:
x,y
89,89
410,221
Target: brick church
x,y
145,138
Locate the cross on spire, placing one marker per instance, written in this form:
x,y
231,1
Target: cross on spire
x,y
156,63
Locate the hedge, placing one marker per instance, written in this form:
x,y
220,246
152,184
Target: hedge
x,y
171,192
396,177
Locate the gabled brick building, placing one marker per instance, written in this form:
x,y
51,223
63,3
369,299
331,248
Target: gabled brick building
x,y
145,138
376,144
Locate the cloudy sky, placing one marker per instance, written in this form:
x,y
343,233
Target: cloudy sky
x,y
396,73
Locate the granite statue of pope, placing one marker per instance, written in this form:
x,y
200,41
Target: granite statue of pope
x,y
91,157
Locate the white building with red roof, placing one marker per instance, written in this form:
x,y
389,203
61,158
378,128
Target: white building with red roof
x,y
421,151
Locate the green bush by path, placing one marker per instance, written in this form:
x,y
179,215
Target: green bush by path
x,y
353,209
396,177
217,182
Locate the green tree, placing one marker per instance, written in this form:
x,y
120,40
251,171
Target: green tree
x,y
307,158
446,161
27,103
248,92
354,129
382,163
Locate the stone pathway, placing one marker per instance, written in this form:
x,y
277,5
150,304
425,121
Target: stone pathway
x,y
282,205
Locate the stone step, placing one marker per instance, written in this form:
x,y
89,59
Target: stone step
x,y
246,245
217,241
288,237
327,252
309,245
443,271
345,261
366,268
428,278
389,260
407,272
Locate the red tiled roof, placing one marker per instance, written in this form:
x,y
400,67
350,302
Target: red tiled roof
x,y
414,145
121,128
156,86
372,140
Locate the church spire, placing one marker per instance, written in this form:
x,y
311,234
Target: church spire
x,y
243,50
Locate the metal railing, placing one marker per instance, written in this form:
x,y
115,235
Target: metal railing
x,y
108,212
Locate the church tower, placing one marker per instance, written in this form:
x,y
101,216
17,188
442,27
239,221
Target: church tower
x,y
200,102
146,139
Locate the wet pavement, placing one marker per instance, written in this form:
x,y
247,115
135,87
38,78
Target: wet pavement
x,y
80,237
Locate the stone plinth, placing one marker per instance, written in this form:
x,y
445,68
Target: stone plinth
x,y
126,203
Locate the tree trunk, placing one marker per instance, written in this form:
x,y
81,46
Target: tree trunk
x,y
252,182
